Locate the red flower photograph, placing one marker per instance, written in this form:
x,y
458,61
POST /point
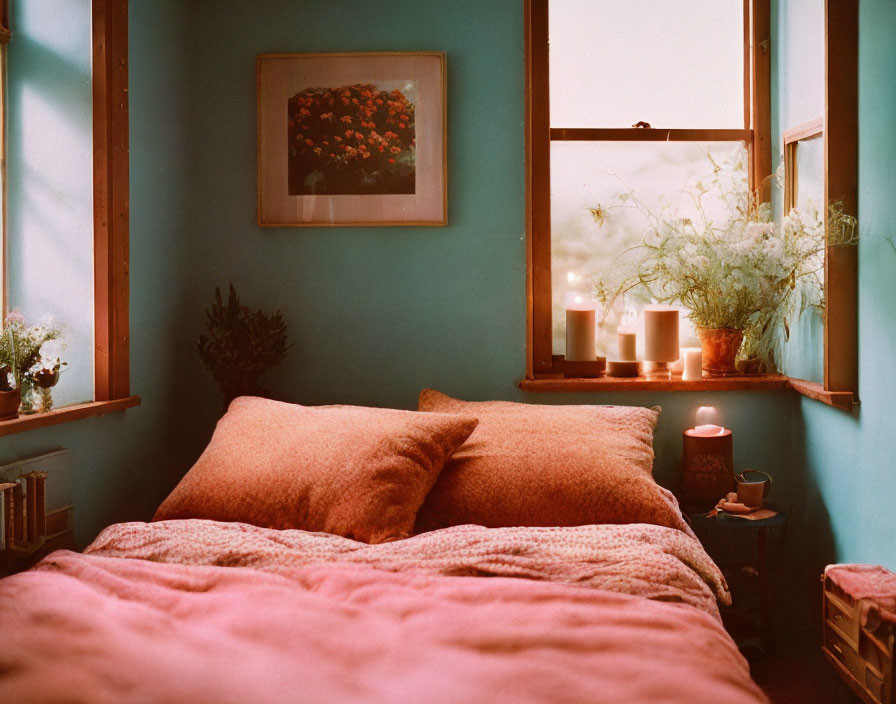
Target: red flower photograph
x,y
351,140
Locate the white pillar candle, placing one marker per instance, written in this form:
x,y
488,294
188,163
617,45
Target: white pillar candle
x,y
627,345
660,333
580,345
693,363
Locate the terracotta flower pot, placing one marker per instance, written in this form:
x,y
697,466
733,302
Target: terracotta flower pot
x,y
9,404
720,346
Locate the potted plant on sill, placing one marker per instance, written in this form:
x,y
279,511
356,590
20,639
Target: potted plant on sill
x,y
739,274
21,356
240,345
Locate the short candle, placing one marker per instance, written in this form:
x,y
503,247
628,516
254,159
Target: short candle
x,y
627,340
693,363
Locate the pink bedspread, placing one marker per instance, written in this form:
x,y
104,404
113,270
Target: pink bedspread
x,y
318,618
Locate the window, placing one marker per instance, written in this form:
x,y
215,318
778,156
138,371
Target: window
x,y
628,97
73,93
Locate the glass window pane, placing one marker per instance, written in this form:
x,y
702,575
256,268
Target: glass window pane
x,y
799,70
672,63
801,352
50,181
810,173
592,229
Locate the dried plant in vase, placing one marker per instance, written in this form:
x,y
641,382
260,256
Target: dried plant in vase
x,y
240,345
717,252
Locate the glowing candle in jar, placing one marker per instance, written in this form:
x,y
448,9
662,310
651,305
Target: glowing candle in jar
x,y
705,427
693,363
580,344
627,344
708,462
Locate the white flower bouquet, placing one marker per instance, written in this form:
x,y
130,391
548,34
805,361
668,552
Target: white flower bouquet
x,y
718,253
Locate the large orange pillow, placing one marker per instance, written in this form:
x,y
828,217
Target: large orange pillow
x,y
357,472
534,465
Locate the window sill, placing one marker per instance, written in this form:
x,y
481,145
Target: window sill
x,y
66,414
844,400
760,382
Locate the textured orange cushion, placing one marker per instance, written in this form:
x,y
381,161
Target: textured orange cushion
x,y
357,472
533,465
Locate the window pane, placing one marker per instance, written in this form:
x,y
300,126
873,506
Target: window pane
x,y
810,173
672,63
801,353
590,176
50,180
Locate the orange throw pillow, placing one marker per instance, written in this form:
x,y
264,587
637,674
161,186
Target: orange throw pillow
x,y
357,472
534,465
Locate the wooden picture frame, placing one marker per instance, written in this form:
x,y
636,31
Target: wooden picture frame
x,y
353,139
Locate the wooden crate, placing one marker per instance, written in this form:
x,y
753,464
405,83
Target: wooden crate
x,y
862,656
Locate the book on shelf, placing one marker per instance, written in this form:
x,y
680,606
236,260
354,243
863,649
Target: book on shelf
x,y
6,516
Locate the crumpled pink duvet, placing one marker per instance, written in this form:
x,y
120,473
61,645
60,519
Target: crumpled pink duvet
x,y
198,611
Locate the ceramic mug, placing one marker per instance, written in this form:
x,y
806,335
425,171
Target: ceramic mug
x,y
751,490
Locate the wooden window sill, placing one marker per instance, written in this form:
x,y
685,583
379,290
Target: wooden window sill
x,y
839,399
66,414
728,383
763,382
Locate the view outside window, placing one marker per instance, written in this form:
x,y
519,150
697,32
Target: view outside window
x,y
677,65
600,195
49,267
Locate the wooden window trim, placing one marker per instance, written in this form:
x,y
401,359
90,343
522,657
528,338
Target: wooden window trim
x,y
111,216
841,373
760,95
640,134
791,139
839,129
538,188
66,414
539,134
110,200
5,36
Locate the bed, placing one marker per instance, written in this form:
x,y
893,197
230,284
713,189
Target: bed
x,y
339,554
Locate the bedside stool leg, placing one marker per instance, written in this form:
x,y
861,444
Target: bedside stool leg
x,y
767,637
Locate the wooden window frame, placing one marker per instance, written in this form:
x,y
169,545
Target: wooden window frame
x,y
111,218
540,362
791,139
839,130
841,161
543,369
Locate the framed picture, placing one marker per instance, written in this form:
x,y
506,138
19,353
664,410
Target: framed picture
x,y
351,139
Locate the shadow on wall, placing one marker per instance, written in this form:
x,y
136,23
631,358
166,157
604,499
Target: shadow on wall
x,y
808,546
